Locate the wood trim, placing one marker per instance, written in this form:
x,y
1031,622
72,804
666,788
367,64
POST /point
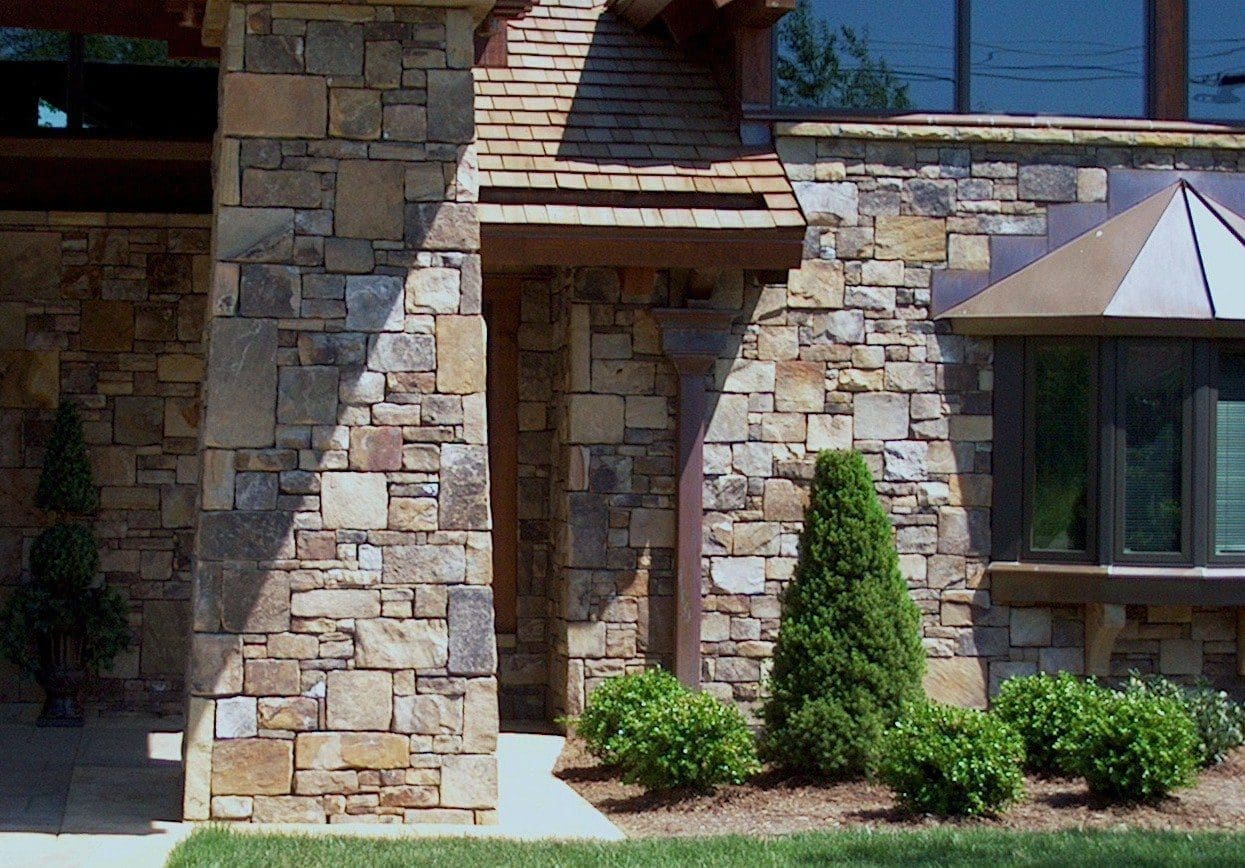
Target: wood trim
x,y
1168,71
754,69
506,246
693,339
69,147
502,298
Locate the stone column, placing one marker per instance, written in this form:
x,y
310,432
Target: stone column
x,y
343,656
694,339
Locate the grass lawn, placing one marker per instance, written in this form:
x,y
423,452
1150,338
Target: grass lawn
x,y
211,847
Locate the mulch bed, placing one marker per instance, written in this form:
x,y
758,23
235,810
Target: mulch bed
x,y
775,804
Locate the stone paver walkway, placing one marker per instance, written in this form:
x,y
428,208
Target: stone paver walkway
x,y
110,794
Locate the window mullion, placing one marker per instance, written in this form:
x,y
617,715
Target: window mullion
x,y
963,56
1202,435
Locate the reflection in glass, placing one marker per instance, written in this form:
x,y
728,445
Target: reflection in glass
x,y
1063,414
1216,60
860,54
1230,457
1154,378
1064,57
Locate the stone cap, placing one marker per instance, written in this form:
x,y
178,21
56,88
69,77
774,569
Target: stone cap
x,y
216,14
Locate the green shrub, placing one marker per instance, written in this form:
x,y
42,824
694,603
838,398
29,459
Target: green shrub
x,y
849,651
687,740
64,592
950,761
1044,708
1220,722
614,706
1136,747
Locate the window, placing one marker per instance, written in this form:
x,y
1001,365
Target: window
x,y
867,56
1113,438
1067,58
50,80
1216,60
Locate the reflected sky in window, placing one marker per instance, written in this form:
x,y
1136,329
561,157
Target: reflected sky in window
x,y
1217,60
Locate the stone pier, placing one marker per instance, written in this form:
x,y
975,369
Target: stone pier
x,y
343,659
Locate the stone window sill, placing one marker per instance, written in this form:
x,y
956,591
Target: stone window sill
x,y
1070,584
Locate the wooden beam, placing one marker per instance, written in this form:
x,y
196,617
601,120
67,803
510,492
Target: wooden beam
x,y
1169,75
502,298
1103,623
638,284
693,339
1240,642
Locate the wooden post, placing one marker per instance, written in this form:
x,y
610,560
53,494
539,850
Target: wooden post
x,y
694,340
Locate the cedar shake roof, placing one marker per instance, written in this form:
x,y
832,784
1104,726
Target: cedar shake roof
x,y
593,123
1177,256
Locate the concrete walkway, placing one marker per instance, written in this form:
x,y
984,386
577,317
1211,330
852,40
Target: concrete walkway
x,y
110,794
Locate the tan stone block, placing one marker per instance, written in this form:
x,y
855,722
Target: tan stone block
x,y
354,113
968,252
335,603
460,354
596,418
197,758
29,379
783,500
646,411
179,368
829,432
391,643
800,387
288,809
30,265
413,513
354,501
271,677
297,713
364,750
296,646
917,239
181,417
218,479
1180,657
252,766
370,200
231,808
107,326
273,106
359,699
480,716
956,681
216,664
469,781
376,448
166,637
817,283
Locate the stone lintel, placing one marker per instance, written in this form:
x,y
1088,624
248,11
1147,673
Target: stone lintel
x,y
216,14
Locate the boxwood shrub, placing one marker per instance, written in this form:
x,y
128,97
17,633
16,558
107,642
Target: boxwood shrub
x,y
1220,722
687,740
1136,747
939,759
614,707
1043,709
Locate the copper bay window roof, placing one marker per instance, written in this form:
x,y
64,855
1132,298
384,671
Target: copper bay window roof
x,y
1173,263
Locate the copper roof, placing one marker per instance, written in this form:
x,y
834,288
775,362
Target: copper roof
x,y
1177,256
594,123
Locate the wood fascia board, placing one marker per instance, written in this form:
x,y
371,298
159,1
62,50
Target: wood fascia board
x,y
639,13
755,13
511,245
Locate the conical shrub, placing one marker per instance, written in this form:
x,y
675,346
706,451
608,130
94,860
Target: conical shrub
x,y
849,651
65,482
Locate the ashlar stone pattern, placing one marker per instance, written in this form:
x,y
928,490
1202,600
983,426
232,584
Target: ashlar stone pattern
x,y
344,660
106,311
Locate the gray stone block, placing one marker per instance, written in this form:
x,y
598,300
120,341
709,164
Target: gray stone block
x,y
473,648
241,383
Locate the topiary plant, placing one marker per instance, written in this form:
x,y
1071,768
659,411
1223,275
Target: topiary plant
x,y
1043,709
1135,747
63,619
849,653
953,762
614,707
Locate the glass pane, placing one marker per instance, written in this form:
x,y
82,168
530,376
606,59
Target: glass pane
x,y
861,54
1064,418
1063,57
1216,60
33,78
1230,457
1154,381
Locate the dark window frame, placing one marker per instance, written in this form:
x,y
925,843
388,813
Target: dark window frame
x,y
1014,471
1165,69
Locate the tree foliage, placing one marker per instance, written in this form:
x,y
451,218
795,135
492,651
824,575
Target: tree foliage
x,y
65,482
849,653
821,67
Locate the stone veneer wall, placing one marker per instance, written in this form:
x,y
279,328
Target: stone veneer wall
x,y
107,311
343,659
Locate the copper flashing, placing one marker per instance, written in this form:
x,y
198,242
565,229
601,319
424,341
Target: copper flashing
x,y
1170,263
